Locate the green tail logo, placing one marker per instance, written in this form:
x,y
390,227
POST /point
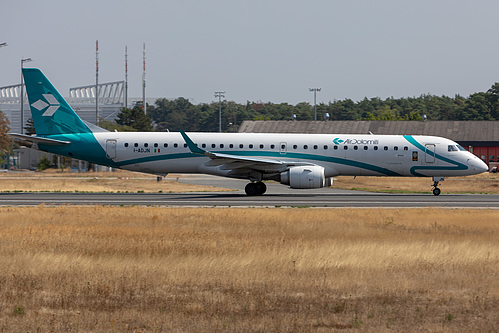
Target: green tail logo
x,y
51,113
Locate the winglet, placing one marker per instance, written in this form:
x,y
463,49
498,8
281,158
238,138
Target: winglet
x,y
192,146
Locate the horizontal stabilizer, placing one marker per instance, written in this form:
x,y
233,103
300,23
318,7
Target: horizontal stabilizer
x,y
37,139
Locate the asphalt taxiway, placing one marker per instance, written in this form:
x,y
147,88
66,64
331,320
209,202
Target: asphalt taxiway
x,y
277,196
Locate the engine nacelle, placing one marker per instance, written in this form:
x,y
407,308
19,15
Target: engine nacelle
x,y
305,177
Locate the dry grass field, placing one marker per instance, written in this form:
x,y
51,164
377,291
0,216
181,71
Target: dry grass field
x,y
111,182
483,183
123,181
91,269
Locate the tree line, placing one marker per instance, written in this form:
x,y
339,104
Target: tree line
x,y
180,113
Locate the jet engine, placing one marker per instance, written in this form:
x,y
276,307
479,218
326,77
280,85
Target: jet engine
x,y
309,176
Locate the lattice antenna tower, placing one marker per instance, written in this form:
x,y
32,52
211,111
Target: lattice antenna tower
x,y
126,77
96,82
144,106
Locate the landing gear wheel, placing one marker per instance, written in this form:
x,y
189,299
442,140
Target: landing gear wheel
x,y
262,188
257,188
436,190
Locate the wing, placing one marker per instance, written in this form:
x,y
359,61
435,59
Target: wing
x,y
240,166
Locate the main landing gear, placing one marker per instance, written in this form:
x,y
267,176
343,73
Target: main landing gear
x,y
256,188
436,180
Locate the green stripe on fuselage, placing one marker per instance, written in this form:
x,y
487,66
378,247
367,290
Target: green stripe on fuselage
x,y
83,146
458,165
276,155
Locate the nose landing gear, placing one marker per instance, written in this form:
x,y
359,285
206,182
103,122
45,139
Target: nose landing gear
x,y
436,190
436,180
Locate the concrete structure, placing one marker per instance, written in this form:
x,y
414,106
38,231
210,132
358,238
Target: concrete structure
x,y
82,100
479,137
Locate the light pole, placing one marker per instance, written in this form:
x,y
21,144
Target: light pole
x,y
315,90
220,94
22,92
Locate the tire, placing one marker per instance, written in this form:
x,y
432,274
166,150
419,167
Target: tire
x,y
262,188
436,191
251,189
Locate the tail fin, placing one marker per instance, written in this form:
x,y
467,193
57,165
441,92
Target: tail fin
x,y
50,111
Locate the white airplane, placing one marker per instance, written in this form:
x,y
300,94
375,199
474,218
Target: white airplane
x,y
302,161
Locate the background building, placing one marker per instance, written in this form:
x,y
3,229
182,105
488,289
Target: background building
x,y
82,100
479,137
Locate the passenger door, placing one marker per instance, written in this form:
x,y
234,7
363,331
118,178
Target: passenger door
x,y
111,148
429,153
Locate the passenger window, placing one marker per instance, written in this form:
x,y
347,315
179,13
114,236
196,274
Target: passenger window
x,y
185,145
355,147
175,145
155,145
385,147
325,147
272,146
406,148
203,145
221,145
231,146
375,147
126,144
146,145
261,146
335,148
165,145
135,144
213,145
295,147
241,146
305,147
316,146
366,148
283,147
395,148
250,146
345,147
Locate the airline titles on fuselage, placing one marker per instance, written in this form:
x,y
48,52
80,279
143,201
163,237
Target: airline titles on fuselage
x,y
360,142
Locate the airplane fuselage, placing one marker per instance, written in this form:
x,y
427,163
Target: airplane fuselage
x,y
339,154
298,160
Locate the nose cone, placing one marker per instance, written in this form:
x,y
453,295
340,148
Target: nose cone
x,y
477,165
480,166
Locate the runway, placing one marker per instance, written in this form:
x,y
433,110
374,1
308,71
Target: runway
x,y
286,198
277,195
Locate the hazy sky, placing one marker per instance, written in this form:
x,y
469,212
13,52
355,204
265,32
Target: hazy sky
x,y
257,50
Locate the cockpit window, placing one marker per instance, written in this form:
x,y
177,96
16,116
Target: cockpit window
x,y
460,148
452,148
